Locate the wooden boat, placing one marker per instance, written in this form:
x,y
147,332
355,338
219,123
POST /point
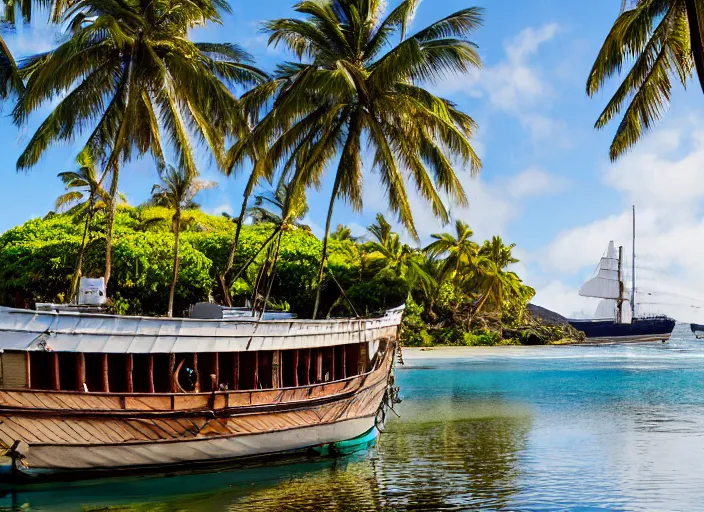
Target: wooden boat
x,y
84,394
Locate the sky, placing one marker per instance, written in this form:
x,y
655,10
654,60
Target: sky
x,y
547,183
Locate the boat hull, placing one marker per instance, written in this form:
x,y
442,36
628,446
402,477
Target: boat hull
x,y
86,441
641,330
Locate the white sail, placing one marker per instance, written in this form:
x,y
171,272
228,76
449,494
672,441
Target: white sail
x,y
606,310
605,285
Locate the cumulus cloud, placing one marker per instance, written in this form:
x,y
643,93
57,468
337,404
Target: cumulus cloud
x,y
662,176
535,182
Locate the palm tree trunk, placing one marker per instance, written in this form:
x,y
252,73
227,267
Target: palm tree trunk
x,y
79,264
177,233
324,255
695,38
235,242
273,273
112,211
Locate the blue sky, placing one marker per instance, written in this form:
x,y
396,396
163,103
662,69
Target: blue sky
x,y
547,183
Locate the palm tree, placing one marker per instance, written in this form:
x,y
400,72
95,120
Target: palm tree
x,y
347,87
495,283
406,262
84,195
137,82
381,230
177,190
342,233
460,251
660,41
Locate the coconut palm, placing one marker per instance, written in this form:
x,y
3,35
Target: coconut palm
x,y
381,229
460,252
355,82
138,85
406,262
176,191
661,41
84,195
495,283
342,233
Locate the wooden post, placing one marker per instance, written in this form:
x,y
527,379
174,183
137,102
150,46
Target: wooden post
x,y
216,371
130,371
276,369
80,372
150,370
172,369
363,356
55,372
319,366
295,368
28,369
236,370
195,367
106,380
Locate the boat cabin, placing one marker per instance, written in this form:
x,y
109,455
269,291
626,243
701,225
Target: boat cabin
x,y
204,372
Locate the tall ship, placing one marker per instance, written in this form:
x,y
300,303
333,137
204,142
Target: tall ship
x,y
87,394
615,320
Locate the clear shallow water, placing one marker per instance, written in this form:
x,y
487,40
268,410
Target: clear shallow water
x,y
555,428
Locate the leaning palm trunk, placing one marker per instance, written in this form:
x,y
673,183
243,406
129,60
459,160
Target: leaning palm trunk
x,y
695,37
172,291
81,252
235,242
112,210
271,278
324,254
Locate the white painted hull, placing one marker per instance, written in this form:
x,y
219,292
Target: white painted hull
x,y
43,460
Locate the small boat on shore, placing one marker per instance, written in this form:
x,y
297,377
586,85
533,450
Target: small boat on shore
x,y
86,394
611,324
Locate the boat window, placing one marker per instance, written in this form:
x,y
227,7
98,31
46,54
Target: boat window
x,y
140,373
40,370
162,373
207,366
227,363
304,367
68,372
248,370
352,360
94,372
117,372
264,370
328,355
339,368
289,367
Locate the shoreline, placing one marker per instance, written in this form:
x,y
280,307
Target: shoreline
x,y
414,353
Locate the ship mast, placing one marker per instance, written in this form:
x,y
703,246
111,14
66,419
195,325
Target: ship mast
x,y
619,303
633,270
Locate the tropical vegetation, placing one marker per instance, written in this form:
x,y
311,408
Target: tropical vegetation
x,y
38,263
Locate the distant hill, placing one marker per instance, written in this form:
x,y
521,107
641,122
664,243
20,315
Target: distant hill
x,y
547,316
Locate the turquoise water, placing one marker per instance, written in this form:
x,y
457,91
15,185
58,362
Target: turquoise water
x,y
545,428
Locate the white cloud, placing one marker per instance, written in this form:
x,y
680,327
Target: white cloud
x,y
663,176
514,83
535,182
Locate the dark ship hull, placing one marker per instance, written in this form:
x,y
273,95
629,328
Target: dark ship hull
x,y
698,330
640,331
